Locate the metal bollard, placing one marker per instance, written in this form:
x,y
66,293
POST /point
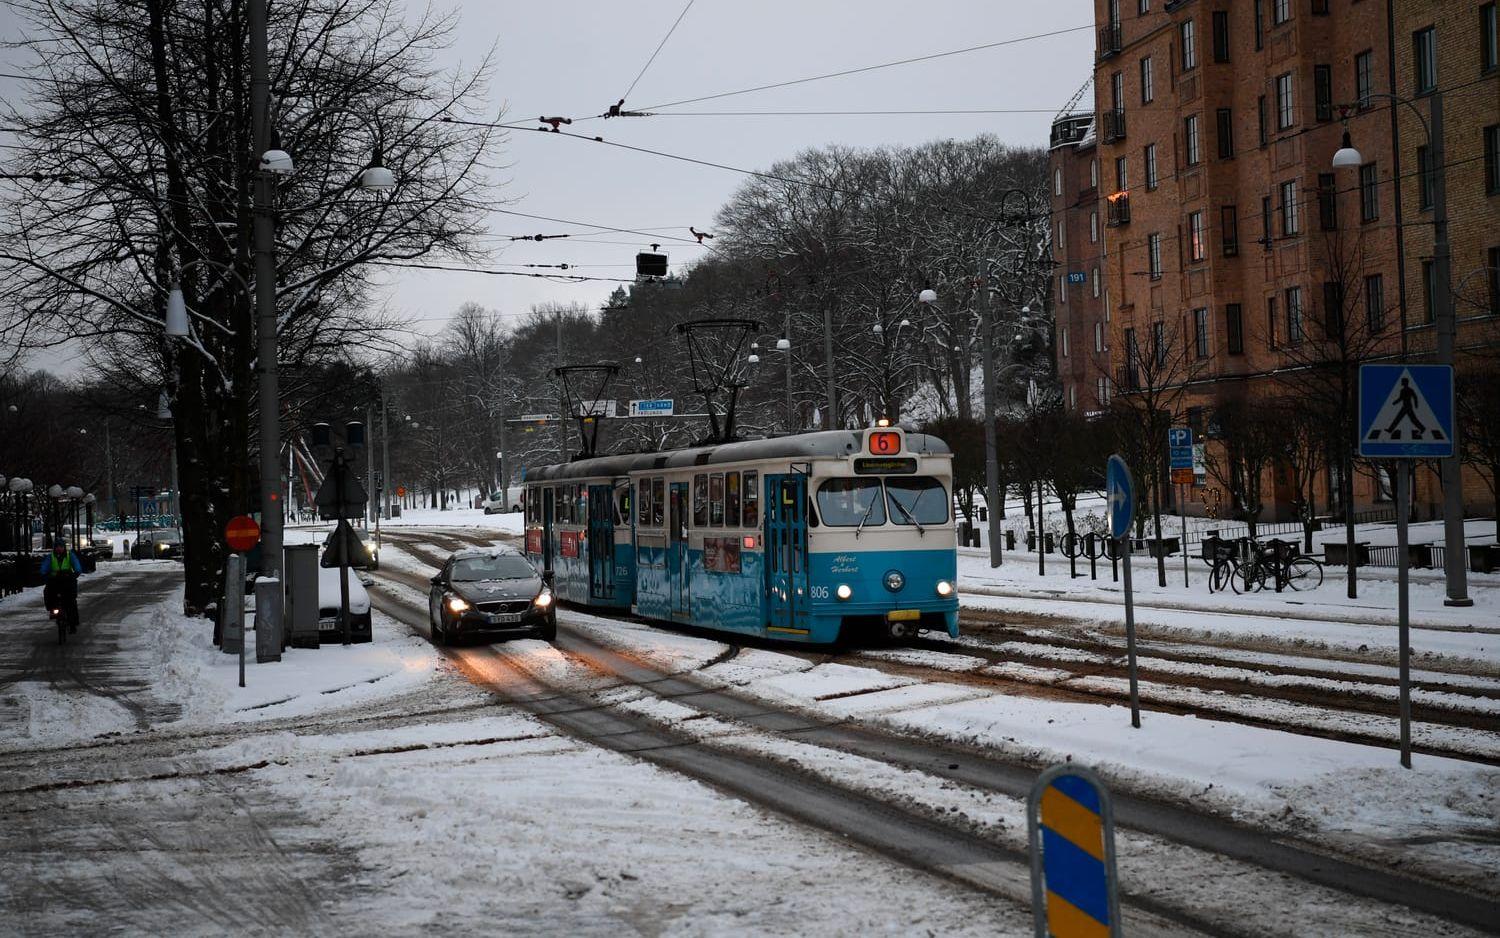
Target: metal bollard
x,y
268,620
1093,558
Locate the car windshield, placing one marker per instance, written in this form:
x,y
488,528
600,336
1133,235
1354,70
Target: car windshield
x,y
497,567
916,499
167,534
851,502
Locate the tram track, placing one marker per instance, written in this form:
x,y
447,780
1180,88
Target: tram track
x,y
583,714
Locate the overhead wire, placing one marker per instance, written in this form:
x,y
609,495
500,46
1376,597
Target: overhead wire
x,y
657,52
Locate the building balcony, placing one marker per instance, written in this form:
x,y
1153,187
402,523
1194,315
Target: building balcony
x,y
1110,40
1117,209
1070,129
1112,124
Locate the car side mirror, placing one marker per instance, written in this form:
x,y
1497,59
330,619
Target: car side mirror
x,y
547,577
437,580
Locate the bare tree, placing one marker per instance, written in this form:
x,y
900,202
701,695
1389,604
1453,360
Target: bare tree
x,y
1252,438
137,138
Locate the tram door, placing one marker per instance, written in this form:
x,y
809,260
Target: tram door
x,y
547,518
679,567
601,542
786,549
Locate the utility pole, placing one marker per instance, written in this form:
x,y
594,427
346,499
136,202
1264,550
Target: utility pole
x,y
791,423
562,400
265,297
109,473
385,466
833,397
991,454
372,503
1454,554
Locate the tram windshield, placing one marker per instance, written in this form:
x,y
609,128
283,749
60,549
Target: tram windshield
x,y
498,567
851,502
918,500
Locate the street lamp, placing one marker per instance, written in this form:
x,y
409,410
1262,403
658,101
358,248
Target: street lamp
x,y
1347,156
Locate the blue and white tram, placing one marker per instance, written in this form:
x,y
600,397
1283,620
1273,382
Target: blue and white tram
x,y
805,538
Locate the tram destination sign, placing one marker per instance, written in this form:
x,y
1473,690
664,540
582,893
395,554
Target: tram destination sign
x,y
885,465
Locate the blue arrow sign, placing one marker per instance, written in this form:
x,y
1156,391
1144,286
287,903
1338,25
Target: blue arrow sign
x,y
1121,493
1406,411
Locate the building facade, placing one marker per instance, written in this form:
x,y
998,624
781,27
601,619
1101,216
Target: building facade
x,y
1240,268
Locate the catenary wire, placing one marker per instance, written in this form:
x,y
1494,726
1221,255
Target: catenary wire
x,y
657,52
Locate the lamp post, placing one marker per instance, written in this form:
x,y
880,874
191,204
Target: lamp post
x,y
1347,156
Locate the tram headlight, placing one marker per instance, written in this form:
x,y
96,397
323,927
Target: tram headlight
x,y
944,588
843,591
457,604
894,581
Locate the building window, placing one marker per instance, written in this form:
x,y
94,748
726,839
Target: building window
x,y
1492,159
1057,181
1221,35
1290,223
1190,136
1265,222
1320,7
1142,7
1062,241
1101,390
1323,92
1489,38
1122,177
1159,343
1494,278
1189,45
1064,331
1096,282
1429,292
1424,179
1281,11
1200,332
1374,303
1285,105
1259,14
1260,118
1369,193
1328,205
1271,322
1234,329
1098,336
1294,332
1229,230
1094,227
1424,59
1333,309
1197,237
1363,88
1062,288
1153,255
1117,90
1132,361
1093,174
1225,120
1148,88
1150,166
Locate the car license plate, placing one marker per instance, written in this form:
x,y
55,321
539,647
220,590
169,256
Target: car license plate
x,y
903,615
328,625
501,618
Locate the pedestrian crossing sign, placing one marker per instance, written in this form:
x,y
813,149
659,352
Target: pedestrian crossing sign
x,y
1406,411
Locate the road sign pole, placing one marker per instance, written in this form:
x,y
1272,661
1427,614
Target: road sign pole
x,y
1182,531
1403,607
1135,696
1121,490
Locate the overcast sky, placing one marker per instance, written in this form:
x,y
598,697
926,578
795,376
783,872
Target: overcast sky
x,y
576,58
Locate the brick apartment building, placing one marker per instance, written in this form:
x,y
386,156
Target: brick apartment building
x,y
1232,257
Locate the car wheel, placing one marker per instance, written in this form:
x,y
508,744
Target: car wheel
x,y
548,632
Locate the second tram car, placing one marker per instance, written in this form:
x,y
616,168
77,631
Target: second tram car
x,y
808,538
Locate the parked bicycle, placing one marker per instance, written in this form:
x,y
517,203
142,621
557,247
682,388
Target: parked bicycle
x,y
1277,564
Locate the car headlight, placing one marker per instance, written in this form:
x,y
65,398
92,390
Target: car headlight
x,y
543,600
457,604
894,581
843,591
944,588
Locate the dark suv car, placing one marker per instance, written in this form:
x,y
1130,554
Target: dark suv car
x,y
493,591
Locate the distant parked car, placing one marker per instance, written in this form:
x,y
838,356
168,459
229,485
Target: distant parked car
x,y
364,557
494,504
104,547
360,629
158,544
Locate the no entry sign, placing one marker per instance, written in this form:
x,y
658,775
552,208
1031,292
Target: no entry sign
x,y
241,533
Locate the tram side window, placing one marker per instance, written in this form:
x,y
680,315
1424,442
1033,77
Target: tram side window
x,y
700,500
570,503
582,501
731,499
716,500
752,499
851,502
643,517
658,502
622,505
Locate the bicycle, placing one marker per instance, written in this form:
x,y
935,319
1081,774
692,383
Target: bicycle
x,y
1281,565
